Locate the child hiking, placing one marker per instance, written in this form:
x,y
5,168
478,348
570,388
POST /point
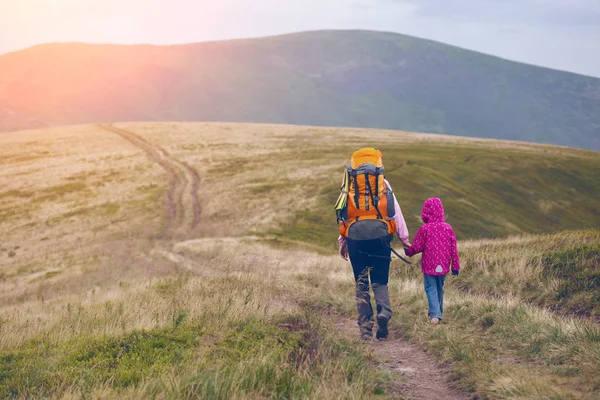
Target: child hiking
x,y
369,216
437,241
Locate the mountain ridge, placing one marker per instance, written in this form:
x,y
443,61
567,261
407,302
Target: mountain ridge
x,y
363,79
291,34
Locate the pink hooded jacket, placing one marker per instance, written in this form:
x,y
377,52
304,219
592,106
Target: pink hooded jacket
x,y
436,240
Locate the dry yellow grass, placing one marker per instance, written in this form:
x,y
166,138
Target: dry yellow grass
x,y
83,216
81,207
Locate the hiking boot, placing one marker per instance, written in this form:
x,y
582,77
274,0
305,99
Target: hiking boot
x,y
435,321
366,336
382,330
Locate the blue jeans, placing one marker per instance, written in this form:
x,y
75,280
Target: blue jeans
x,y
371,258
434,287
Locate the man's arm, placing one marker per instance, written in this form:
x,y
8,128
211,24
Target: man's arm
x,y
343,247
401,228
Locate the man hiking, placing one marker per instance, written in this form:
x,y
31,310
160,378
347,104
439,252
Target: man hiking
x,y
369,215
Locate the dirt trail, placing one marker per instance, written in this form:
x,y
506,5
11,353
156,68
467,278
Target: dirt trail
x,y
183,205
425,380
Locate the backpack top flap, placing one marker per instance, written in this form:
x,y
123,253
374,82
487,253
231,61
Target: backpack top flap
x,y
366,155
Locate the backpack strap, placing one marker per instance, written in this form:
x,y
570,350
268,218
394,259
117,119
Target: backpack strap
x,y
376,198
367,191
356,190
370,192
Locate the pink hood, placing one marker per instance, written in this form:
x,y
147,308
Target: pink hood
x,y
433,211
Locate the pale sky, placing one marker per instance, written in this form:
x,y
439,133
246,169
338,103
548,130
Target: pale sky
x,y
561,34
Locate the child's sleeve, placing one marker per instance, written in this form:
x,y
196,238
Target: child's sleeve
x,y
418,244
454,253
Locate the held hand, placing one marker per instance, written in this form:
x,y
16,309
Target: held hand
x,y
344,252
406,245
455,272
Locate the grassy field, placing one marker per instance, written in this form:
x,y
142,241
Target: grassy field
x,y
96,302
288,178
498,340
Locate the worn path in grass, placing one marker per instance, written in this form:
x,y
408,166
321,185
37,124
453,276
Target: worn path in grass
x,y
424,379
182,199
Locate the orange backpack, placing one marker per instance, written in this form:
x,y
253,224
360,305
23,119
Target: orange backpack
x,y
365,208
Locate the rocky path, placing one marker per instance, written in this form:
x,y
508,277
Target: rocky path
x,y
424,379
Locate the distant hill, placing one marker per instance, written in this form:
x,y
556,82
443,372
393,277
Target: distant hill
x,y
330,78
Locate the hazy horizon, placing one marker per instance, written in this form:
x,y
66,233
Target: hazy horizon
x,y
549,33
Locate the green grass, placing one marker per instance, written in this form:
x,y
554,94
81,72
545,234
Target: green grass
x,y
490,344
311,227
557,271
210,336
275,359
38,368
577,271
486,193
